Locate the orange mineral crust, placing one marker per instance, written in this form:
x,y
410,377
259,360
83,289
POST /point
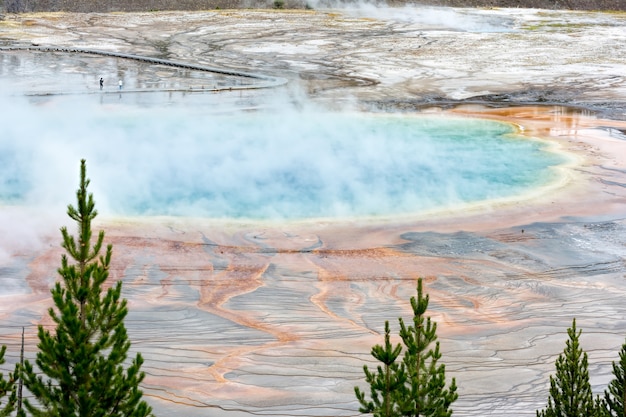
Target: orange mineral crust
x,y
279,317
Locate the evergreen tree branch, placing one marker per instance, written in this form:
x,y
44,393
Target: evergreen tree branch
x,y
84,359
414,386
570,389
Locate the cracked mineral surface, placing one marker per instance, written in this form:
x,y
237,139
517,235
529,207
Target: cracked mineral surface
x,y
270,318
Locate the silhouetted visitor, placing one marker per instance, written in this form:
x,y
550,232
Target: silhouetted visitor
x,y
101,83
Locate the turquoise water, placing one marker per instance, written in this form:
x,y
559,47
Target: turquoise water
x,y
263,165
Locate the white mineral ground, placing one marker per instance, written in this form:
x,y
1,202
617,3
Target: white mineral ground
x,y
278,319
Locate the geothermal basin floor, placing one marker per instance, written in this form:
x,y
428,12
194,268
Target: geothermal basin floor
x,y
261,318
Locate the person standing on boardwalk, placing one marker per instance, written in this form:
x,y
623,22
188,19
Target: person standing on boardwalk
x,y
121,84
101,83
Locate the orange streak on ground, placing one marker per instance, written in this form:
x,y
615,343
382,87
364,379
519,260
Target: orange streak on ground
x,y
348,277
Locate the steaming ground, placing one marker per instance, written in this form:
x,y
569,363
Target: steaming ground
x,y
278,164
249,318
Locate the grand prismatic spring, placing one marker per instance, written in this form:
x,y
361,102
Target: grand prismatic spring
x,y
265,227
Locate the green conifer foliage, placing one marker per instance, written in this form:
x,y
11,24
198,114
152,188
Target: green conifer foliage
x,y
7,387
84,358
570,390
385,383
425,392
416,385
615,394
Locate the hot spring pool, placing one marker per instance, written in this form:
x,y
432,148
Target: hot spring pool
x,y
266,164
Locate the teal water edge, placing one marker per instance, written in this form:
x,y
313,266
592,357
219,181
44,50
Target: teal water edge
x,y
279,163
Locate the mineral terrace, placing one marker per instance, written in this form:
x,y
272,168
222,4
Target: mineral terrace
x,y
240,319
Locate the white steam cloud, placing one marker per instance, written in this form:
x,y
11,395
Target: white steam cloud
x,y
278,163
423,17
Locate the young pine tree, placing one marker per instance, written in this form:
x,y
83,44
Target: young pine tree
x,y
385,383
425,392
7,387
570,390
84,358
615,394
416,385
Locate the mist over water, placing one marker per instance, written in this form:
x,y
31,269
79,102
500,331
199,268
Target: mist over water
x,y
280,163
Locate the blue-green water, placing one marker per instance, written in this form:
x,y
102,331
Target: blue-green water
x,y
265,164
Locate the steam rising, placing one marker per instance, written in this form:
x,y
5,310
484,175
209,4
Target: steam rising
x,y
425,17
282,163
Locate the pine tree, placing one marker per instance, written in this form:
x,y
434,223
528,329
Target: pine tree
x,y
570,390
84,358
425,392
615,394
385,383
7,387
416,385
